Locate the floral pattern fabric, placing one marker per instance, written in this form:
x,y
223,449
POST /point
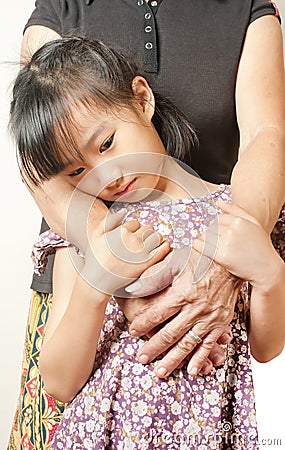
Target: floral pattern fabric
x,y
124,405
38,414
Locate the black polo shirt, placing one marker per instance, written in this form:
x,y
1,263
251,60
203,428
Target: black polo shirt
x,y
189,51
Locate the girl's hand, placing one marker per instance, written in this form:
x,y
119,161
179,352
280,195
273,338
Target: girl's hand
x,y
240,244
118,254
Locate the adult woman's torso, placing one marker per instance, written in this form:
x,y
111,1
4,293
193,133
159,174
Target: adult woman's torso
x,y
189,51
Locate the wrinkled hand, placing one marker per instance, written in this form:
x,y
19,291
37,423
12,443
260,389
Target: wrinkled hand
x,y
206,307
133,307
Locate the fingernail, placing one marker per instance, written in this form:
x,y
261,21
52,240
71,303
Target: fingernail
x,y
206,368
161,372
217,359
143,359
133,287
153,252
122,211
193,371
227,338
134,332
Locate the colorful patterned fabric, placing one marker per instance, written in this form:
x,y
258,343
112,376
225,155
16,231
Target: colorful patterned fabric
x,y
124,405
38,414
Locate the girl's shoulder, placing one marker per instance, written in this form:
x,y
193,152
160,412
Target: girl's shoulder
x,y
222,192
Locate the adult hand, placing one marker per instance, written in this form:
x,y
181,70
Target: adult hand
x,y
205,306
133,307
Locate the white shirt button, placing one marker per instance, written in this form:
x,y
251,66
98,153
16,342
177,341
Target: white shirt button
x,y
148,45
147,16
153,3
140,2
148,29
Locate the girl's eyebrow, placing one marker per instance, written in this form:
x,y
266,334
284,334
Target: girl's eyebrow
x,y
68,164
95,132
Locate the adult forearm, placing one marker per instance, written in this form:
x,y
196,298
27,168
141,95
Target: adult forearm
x,y
258,179
69,212
267,312
34,37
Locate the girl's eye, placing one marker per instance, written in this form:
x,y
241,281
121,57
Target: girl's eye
x,y
107,144
76,172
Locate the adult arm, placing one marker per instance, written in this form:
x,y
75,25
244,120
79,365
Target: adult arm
x,y
34,37
247,251
54,197
258,185
258,179
266,204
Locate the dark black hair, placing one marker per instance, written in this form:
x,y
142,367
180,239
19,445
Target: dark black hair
x,y
76,71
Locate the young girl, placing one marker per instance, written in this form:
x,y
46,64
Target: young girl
x,y
81,111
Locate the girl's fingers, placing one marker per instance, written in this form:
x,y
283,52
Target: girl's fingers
x,y
199,244
114,220
131,225
207,242
144,232
160,252
209,251
152,241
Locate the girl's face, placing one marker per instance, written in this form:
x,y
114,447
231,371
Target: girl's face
x,y
122,152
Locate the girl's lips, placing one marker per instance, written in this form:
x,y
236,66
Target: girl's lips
x,y
129,187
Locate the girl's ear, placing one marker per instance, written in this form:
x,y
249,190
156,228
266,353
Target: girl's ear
x,y
144,96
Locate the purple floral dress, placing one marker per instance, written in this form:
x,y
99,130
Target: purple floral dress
x,y
124,405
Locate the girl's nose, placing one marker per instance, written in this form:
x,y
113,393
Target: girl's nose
x,y
110,174
114,184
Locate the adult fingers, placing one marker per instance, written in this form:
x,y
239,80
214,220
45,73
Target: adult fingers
x,y
164,307
175,356
217,355
207,367
191,342
237,211
162,275
226,337
172,332
209,349
175,335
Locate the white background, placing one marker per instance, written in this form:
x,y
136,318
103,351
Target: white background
x,y
20,221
